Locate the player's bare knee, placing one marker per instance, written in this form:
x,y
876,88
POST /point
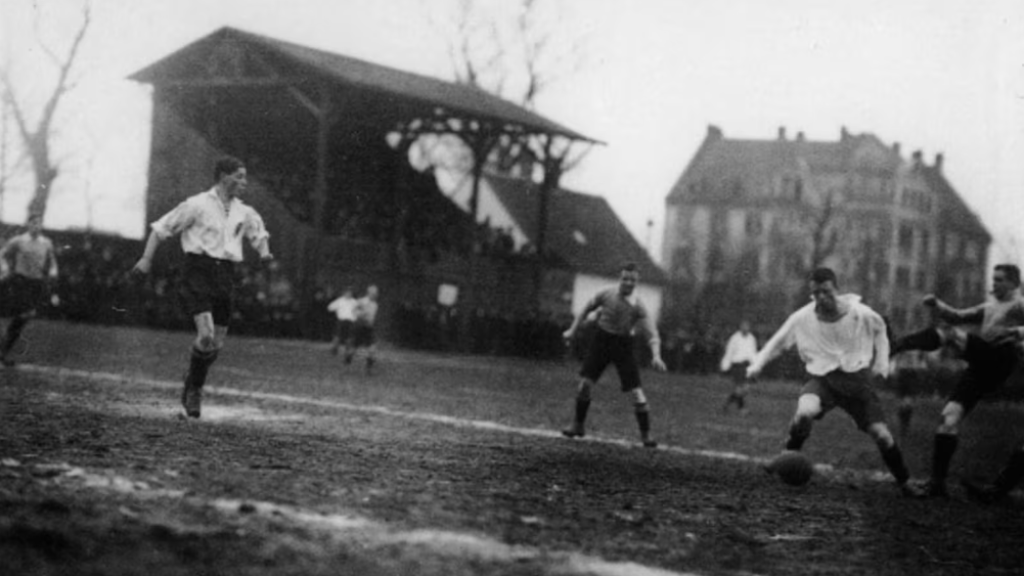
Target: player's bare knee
x,y
583,391
206,343
951,416
639,399
880,433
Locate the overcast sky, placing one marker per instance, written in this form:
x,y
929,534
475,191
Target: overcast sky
x,y
938,76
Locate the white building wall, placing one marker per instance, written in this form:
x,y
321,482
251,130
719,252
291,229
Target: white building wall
x,y
586,286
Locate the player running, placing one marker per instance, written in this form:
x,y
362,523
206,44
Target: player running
x,y
34,265
344,309
992,355
843,344
363,329
212,225
618,312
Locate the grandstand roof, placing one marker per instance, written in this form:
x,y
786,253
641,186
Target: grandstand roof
x,y
583,231
256,60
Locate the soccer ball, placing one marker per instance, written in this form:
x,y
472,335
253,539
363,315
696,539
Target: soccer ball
x,y
792,467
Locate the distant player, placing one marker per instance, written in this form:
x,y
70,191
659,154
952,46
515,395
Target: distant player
x,y
364,335
618,312
212,225
740,350
27,264
344,309
992,355
844,346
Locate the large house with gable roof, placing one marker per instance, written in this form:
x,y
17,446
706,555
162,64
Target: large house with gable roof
x,y
748,219
586,240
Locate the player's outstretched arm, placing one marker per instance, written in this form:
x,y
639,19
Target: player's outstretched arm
x,y
145,263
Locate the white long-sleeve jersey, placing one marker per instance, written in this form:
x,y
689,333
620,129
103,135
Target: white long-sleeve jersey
x,y
740,348
852,343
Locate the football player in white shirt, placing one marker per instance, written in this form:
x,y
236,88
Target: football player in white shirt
x,y
344,309
740,350
212,225
844,346
28,264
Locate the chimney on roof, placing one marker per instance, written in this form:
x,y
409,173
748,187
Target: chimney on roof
x,y
917,158
800,136
843,134
896,148
714,132
938,162
782,132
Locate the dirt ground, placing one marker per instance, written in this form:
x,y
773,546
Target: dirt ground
x,y
428,467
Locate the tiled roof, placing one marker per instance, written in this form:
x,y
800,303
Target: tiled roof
x,y
721,159
583,231
955,211
354,73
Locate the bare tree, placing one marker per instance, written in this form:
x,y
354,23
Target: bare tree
x,y
37,138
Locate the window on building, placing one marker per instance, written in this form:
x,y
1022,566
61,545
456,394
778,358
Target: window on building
x,y
952,246
922,281
753,226
906,240
903,277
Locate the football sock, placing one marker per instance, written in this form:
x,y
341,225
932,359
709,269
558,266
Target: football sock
x,y
582,406
893,458
945,446
199,364
799,432
13,333
740,401
927,339
643,419
1012,474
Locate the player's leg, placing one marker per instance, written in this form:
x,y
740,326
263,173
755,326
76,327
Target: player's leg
x,y
621,352
892,456
597,359
808,408
351,339
853,392
582,406
336,340
14,329
205,349
25,295
643,417
927,340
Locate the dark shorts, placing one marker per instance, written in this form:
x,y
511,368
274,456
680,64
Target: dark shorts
x,y
607,348
738,373
988,368
851,391
343,330
363,336
22,295
207,285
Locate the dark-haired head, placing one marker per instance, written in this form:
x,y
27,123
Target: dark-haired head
x,y
226,165
1011,272
822,274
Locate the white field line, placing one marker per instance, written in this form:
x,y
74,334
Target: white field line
x,y
354,529
109,377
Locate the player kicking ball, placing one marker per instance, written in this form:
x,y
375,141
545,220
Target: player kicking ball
x,y
212,225
618,312
844,347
